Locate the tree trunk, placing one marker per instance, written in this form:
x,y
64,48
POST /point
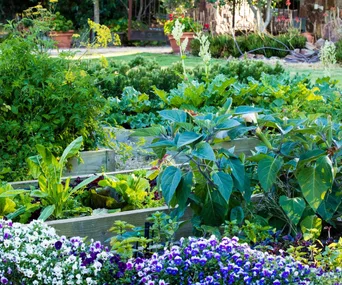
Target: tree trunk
x,y
262,22
96,11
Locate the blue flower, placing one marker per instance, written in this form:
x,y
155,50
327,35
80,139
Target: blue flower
x,y
58,245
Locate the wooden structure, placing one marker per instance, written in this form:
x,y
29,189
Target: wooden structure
x,y
146,12
96,227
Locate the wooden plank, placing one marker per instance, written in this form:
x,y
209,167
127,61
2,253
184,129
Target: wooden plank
x,y
94,162
34,183
241,145
96,227
149,35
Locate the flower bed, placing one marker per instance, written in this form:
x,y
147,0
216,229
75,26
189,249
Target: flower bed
x,y
58,260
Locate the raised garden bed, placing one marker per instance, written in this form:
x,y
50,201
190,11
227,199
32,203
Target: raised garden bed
x,y
96,227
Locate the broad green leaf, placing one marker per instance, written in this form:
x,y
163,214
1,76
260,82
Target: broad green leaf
x,y
12,193
71,150
214,210
187,138
16,213
332,201
184,190
239,131
311,227
162,143
38,194
33,164
237,214
228,124
312,185
293,207
148,132
238,172
268,169
84,183
170,179
203,150
46,213
194,94
160,93
224,183
258,157
7,206
226,106
246,110
177,116
310,156
325,167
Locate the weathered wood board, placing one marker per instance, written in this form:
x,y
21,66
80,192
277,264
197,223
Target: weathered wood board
x,y
102,160
96,227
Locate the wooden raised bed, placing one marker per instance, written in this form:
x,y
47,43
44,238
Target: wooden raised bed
x,y
96,227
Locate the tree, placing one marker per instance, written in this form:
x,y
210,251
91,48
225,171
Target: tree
x,y
262,10
96,11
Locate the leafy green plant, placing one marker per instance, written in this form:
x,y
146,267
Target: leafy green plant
x,y
127,192
8,204
44,100
133,110
215,178
224,46
56,195
250,232
127,239
298,170
189,25
60,23
193,95
163,229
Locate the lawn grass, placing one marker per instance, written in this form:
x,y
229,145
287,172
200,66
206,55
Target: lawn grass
x,y
313,70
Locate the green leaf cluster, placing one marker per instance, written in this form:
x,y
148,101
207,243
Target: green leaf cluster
x,y
299,172
214,180
43,100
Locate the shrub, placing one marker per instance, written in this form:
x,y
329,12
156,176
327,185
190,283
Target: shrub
x,y
224,45
242,69
43,101
139,73
339,51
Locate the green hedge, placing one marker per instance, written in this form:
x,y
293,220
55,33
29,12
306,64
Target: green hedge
x,y
43,100
339,51
224,45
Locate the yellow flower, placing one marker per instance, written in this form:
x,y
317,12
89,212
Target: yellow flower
x,y
76,36
104,62
83,73
53,1
69,77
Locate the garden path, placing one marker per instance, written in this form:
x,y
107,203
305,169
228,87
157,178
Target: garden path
x,y
112,51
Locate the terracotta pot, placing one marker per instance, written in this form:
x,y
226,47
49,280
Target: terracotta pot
x,y
309,37
62,39
175,48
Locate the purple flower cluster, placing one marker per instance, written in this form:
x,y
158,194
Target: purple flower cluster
x,y
35,254
210,261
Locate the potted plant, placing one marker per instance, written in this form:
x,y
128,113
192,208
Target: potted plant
x,y
190,27
61,31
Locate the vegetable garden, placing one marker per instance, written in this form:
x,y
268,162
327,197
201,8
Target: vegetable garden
x,y
242,157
